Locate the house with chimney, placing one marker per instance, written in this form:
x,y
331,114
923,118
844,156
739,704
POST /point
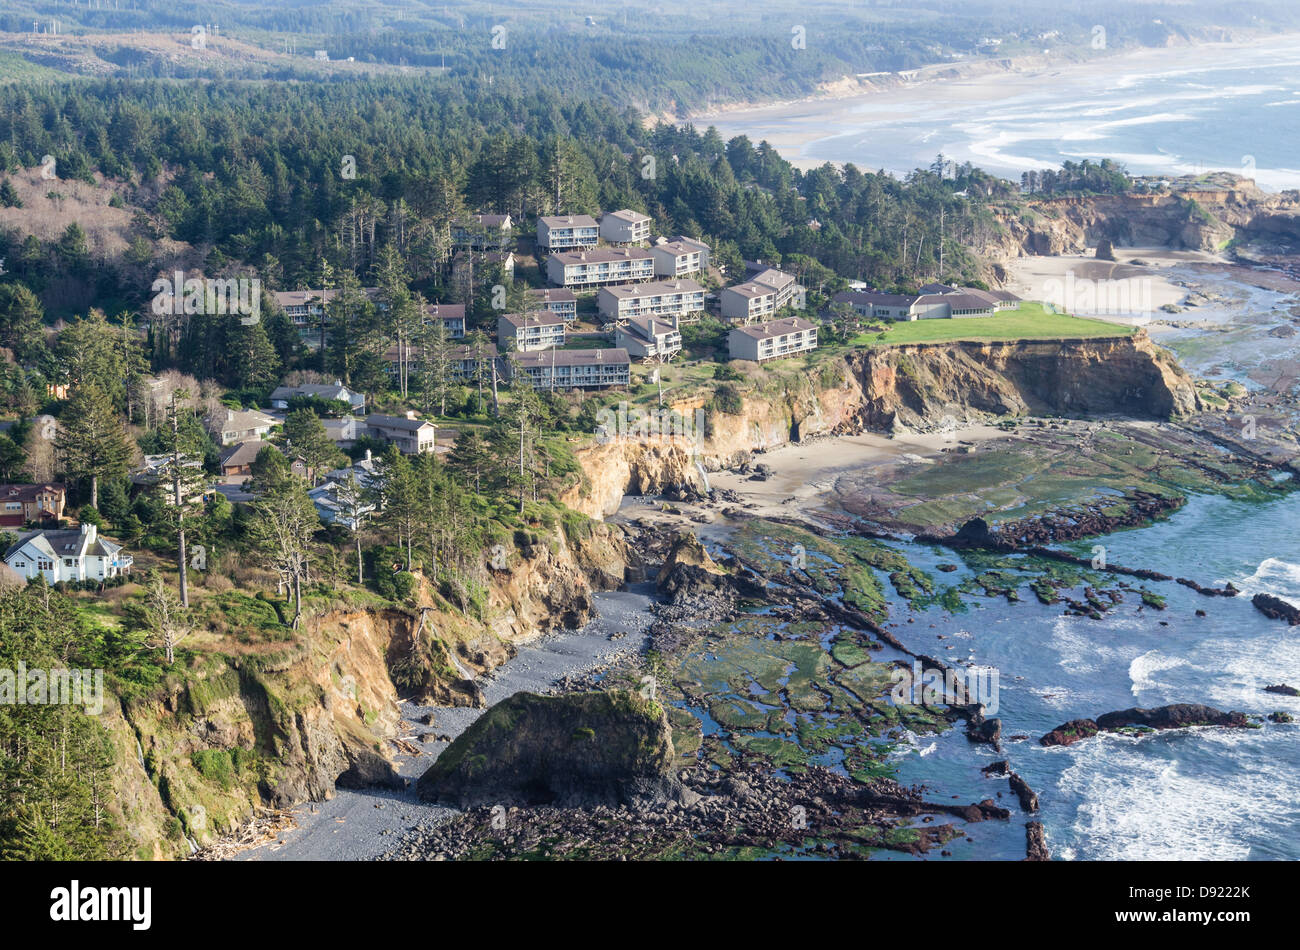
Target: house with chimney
x,y
411,435
240,425
68,556
333,392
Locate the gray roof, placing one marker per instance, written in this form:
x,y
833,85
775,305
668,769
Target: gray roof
x,y
611,355
396,422
773,328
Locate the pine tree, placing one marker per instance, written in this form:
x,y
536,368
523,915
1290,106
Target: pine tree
x,y
91,441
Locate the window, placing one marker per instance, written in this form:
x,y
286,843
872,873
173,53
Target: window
x,y
43,565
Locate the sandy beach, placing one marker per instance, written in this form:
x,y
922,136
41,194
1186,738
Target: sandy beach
x,y
804,131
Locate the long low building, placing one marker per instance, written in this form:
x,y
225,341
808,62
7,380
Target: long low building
x,y
761,296
660,298
933,302
576,369
463,359
600,266
772,340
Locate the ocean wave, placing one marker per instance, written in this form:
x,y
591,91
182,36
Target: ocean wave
x,y
1142,670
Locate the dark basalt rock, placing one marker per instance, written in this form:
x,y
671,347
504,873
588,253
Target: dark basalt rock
x,y
582,749
1282,690
1072,731
1028,800
1276,608
1001,767
1035,843
1175,716
983,730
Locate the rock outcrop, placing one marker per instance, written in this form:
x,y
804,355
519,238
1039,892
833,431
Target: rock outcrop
x,y
1175,716
1276,608
582,749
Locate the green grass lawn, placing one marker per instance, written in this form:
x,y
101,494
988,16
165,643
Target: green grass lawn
x,y
1029,321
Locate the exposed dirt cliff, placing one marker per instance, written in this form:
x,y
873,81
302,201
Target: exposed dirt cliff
x,y
234,732
886,389
1203,219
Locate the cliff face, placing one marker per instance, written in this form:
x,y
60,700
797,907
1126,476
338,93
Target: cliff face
x,y
1203,220
921,386
896,388
235,732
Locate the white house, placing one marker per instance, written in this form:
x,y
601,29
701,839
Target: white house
x,y
335,509
72,555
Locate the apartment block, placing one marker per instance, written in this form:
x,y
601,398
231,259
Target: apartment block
x,y
772,340
529,332
664,298
576,369
625,227
567,231
599,266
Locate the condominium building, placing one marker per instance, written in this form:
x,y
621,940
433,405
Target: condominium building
x,y
762,296
665,298
481,231
625,227
600,266
563,232
529,332
452,316
306,307
680,257
772,340
559,300
649,337
576,369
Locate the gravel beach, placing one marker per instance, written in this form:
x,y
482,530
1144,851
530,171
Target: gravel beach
x,y
358,825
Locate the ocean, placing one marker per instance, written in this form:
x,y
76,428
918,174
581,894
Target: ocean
x,y
1195,110
1182,794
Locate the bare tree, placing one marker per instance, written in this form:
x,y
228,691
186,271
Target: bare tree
x,y
168,619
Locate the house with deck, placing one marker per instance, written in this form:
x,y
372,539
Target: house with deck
x,y
528,332
680,257
649,337
559,300
625,226
78,554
